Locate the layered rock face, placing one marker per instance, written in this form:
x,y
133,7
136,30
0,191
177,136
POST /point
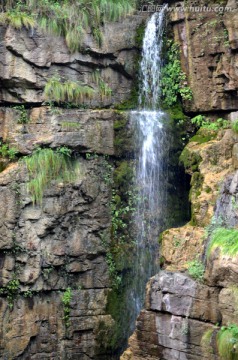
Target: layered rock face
x,y
63,243
209,54
182,316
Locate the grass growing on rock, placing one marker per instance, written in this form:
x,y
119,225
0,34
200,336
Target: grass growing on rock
x,y
227,341
46,165
67,91
224,239
69,18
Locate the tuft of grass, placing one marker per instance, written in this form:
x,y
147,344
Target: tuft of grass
x,y
224,239
17,19
227,342
68,91
45,165
104,89
68,18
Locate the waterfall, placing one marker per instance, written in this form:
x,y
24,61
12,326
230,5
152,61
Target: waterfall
x,y
151,170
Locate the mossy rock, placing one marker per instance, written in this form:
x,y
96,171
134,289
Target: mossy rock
x,y
140,31
203,136
123,136
123,175
190,160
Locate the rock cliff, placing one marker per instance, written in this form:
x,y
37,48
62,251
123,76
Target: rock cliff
x,y
55,261
192,302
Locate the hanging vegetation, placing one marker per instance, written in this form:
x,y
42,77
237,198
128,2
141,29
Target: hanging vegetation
x,y
67,18
46,165
66,91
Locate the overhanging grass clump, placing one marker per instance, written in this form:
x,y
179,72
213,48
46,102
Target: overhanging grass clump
x,y
68,18
227,341
67,91
46,165
224,239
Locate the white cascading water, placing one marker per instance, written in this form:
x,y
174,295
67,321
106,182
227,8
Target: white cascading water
x,y
152,142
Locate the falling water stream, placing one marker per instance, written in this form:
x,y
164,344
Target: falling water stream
x,y
152,164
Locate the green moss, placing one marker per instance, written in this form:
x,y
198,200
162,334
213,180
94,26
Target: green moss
x,y
190,160
176,112
123,174
202,138
196,184
123,143
224,239
208,190
112,336
140,31
132,102
206,342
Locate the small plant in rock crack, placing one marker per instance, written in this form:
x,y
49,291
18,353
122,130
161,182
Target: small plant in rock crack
x,y
7,152
23,115
196,269
11,290
114,275
66,299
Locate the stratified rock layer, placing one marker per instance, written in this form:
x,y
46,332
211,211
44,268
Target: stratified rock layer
x,y
62,243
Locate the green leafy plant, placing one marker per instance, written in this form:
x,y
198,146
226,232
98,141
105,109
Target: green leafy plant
x,y
11,290
173,79
7,152
23,116
45,165
114,275
227,341
66,299
204,123
67,91
196,269
224,239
